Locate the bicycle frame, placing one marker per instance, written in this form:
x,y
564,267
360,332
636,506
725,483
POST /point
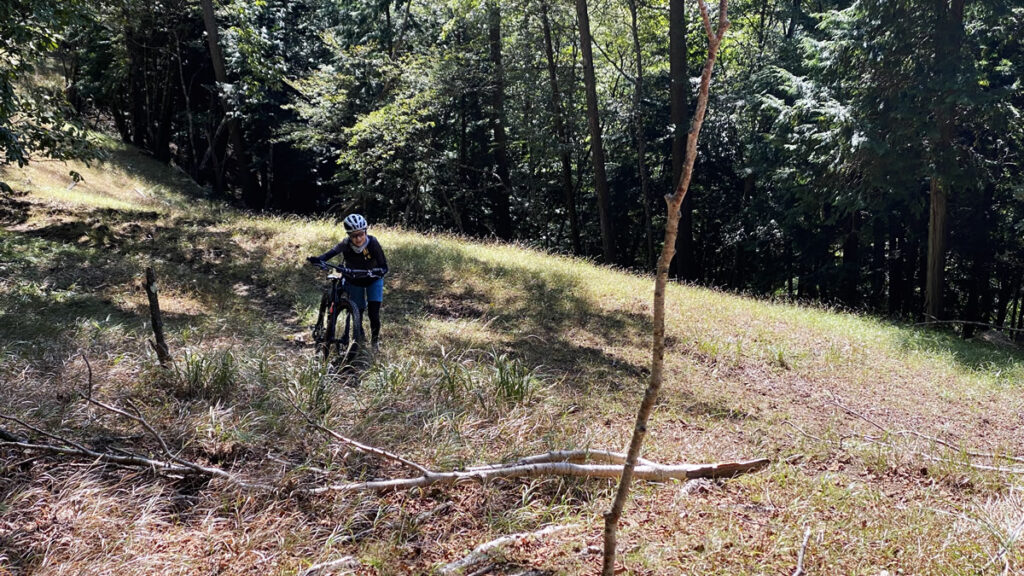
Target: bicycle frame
x,y
333,304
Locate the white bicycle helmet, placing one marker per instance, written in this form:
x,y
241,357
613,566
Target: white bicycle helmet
x,y
354,223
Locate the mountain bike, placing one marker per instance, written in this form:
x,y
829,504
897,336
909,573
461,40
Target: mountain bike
x,y
335,304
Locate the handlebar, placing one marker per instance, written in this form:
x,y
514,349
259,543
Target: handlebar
x,y
350,273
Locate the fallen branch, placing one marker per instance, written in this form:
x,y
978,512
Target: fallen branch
x,y
485,551
658,473
107,458
197,468
556,463
573,456
174,464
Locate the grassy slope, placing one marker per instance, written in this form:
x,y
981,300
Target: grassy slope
x,y
491,352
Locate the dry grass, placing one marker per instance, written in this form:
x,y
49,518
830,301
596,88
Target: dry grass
x,y
491,352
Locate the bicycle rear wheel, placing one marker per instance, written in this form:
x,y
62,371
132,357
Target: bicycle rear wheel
x,y
320,326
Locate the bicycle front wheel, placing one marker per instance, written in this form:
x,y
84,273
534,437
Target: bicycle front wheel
x,y
351,338
330,332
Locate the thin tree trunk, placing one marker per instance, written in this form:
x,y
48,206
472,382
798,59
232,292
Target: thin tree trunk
x,y
136,90
1008,284
501,195
739,262
162,142
897,248
594,122
568,191
979,295
661,280
185,91
251,193
878,263
1020,313
851,262
638,120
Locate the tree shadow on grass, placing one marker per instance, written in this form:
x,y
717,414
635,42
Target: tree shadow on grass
x,y
12,210
59,274
140,166
1006,363
535,311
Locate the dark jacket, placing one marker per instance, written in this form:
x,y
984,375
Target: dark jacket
x,y
371,257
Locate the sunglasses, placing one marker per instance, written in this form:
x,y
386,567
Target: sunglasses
x,y
357,234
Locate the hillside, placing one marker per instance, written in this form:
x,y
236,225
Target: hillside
x,y
896,449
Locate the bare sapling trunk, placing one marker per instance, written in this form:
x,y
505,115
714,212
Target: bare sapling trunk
x,y
160,345
674,202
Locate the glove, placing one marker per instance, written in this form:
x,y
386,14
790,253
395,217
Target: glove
x,y
377,272
314,260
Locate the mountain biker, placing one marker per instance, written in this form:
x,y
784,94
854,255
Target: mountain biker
x,y
362,252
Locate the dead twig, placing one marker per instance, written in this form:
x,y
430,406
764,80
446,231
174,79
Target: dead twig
x,y
483,552
360,446
803,432
346,562
89,367
1004,549
908,433
803,550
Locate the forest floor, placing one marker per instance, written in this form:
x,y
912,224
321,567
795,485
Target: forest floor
x,y
892,448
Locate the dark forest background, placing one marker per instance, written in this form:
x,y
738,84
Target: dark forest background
x,y
862,154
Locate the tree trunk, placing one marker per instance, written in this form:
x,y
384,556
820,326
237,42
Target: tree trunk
x,y
896,266
638,121
979,293
949,31
594,122
1007,290
561,136
136,90
162,142
1020,314
876,299
851,262
186,94
739,262
661,280
936,263
251,193
501,194
679,117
